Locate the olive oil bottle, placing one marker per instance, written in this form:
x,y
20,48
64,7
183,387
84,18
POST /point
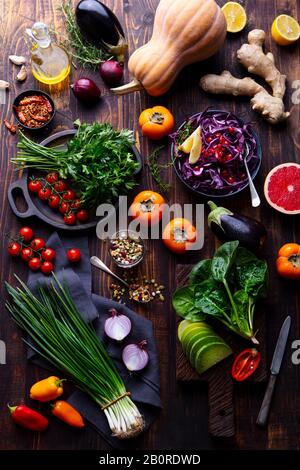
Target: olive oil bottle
x,y
50,63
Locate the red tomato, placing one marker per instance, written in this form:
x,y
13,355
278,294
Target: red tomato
x,y
14,249
245,364
69,195
74,255
48,254
47,267
54,201
76,204
26,234
37,244
52,177
34,264
70,219
82,215
44,194
60,186
178,234
26,254
64,208
34,186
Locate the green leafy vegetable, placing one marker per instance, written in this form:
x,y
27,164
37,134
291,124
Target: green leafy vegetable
x,y
226,288
98,160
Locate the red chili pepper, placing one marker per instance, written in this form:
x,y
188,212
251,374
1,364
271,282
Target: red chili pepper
x,y
30,100
10,126
38,118
48,104
28,418
21,116
245,364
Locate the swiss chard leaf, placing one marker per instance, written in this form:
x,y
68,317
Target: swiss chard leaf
x,y
223,260
183,302
200,272
211,299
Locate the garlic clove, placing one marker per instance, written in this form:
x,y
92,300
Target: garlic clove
x,y
4,85
17,59
22,75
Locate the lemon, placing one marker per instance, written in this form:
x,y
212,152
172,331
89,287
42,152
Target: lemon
x,y
197,146
187,145
235,16
285,30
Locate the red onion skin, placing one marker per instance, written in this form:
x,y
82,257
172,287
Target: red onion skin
x,y
111,72
86,90
140,355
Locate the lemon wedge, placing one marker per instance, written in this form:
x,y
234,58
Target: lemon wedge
x,y
285,30
187,145
235,16
196,147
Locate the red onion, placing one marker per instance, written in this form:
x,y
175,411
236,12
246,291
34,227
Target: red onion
x,y
118,326
86,90
135,357
111,72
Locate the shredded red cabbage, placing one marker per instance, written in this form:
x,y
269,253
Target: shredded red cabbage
x,y
226,140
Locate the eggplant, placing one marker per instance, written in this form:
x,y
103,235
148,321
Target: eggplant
x,y
100,26
228,226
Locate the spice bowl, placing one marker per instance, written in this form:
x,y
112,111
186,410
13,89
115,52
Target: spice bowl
x,y
127,249
48,102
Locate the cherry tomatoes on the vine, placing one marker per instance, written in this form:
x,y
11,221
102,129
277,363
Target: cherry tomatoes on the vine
x,y
34,264
14,249
37,244
34,186
26,234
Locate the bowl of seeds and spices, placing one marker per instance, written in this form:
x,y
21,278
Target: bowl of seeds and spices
x,y
126,248
33,109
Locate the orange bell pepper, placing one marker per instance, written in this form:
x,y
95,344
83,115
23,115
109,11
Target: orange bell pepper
x,y
67,413
156,122
47,389
288,261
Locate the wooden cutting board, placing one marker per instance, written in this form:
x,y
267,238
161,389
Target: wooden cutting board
x,y
220,384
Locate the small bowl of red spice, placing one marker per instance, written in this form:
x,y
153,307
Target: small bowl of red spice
x,y
33,109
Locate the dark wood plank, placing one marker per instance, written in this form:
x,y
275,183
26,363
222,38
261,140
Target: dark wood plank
x,y
180,430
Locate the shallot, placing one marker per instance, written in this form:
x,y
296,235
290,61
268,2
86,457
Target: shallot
x,y
135,356
111,72
86,90
118,326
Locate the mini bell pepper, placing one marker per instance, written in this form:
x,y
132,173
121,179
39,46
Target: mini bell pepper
x,y
64,411
28,418
288,261
47,389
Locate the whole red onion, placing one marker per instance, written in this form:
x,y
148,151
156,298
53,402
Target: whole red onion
x,y
86,90
111,72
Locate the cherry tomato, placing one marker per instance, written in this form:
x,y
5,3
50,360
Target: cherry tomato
x,y
76,204
48,254
34,186
37,244
156,122
74,255
82,215
64,208
47,267
148,207
69,195
52,177
14,249
245,364
54,201
70,219
34,264
178,234
26,254
44,194
60,186
26,234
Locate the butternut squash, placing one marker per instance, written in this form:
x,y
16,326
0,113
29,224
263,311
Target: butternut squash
x,y
184,32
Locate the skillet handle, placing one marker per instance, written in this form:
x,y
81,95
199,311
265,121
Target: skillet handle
x,y
20,185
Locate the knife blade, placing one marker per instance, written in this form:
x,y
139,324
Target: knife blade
x,y
274,369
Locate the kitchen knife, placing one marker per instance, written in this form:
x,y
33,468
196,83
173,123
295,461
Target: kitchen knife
x,y
275,368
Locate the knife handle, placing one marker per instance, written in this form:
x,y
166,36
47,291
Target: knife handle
x,y
265,407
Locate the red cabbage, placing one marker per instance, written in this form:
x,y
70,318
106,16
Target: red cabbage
x,y
212,174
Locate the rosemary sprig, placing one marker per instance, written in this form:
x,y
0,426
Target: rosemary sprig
x,y
86,54
156,169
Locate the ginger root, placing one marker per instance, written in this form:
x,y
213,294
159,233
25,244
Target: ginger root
x,y
251,55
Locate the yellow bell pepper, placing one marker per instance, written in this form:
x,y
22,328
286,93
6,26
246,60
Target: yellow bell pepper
x,y
47,389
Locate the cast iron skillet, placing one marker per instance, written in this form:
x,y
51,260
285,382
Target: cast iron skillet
x,y
36,207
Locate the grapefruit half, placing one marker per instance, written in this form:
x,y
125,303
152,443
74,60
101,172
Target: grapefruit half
x,y
282,188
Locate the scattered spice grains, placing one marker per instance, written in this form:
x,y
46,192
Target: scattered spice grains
x,y
125,250
141,290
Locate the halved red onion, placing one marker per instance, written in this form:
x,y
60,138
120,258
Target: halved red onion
x,y
135,356
118,326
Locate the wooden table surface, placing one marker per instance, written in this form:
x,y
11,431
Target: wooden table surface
x,y
181,424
